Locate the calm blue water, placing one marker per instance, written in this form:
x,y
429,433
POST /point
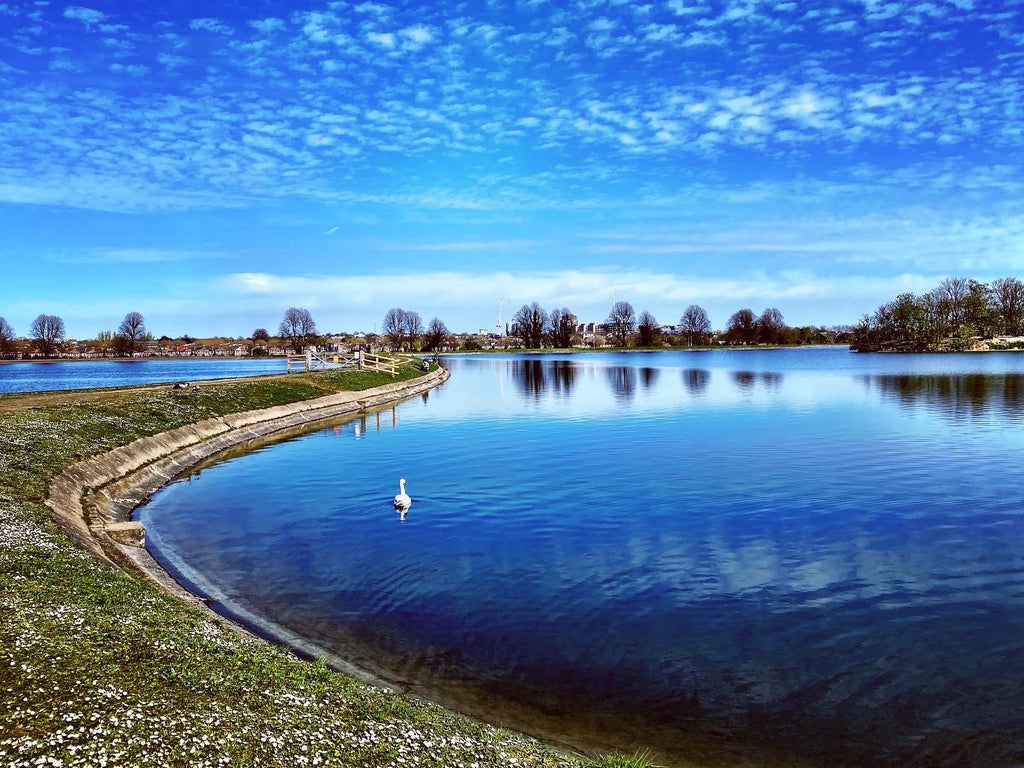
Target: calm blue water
x,y
782,557
85,374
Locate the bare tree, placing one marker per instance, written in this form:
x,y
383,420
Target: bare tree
x,y
953,292
7,345
695,324
393,328
130,333
530,322
771,328
563,328
1008,294
742,326
622,322
413,328
261,334
436,335
47,333
298,327
648,330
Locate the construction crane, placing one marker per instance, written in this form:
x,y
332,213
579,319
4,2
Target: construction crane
x,y
501,301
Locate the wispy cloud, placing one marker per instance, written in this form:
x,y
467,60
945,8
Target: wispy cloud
x,y
470,245
132,256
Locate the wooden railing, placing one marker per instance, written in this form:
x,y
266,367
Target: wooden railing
x,y
378,363
312,359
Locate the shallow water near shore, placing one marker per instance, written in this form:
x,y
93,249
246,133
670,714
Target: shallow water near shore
x,y
53,375
804,556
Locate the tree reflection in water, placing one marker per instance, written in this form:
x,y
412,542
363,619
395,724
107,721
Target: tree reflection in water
x,y
743,379
622,380
528,376
648,377
966,396
696,380
563,374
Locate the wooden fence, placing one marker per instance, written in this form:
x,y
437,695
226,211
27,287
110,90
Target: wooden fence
x,y
312,359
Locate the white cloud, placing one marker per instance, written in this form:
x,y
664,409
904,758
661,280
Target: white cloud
x,y
87,16
418,34
210,25
267,25
385,39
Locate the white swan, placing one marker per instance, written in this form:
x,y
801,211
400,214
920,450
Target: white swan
x,y
402,500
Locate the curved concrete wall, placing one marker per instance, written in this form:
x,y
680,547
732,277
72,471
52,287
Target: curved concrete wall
x,y
93,499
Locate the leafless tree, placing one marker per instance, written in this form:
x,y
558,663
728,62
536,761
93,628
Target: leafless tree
x,y
130,333
261,334
393,328
7,346
413,328
531,322
298,327
622,322
742,326
436,336
47,333
953,293
1008,294
648,330
563,328
771,327
695,324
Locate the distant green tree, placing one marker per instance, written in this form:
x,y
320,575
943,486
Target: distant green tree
x,y
471,344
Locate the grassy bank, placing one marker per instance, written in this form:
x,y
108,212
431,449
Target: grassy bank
x,y
100,668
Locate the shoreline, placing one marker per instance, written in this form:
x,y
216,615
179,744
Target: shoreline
x,y
93,500
104,492
87,641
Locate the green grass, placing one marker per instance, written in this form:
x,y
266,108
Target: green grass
x,y
640,759
100,668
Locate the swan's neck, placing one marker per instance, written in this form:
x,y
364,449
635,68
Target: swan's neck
x,y
401,485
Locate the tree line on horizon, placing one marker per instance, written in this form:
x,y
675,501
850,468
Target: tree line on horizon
x,y
47,333
532,327
952,315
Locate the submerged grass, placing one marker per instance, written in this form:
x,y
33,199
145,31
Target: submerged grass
x,y
100,668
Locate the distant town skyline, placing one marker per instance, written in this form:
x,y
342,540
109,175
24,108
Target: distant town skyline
x,y
210,165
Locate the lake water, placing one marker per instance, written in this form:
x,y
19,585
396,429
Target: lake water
x,y
31,376
790,557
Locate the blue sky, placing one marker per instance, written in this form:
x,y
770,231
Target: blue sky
x,y
211,164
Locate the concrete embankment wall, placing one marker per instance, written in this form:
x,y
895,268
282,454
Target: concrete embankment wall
x,y
93,499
